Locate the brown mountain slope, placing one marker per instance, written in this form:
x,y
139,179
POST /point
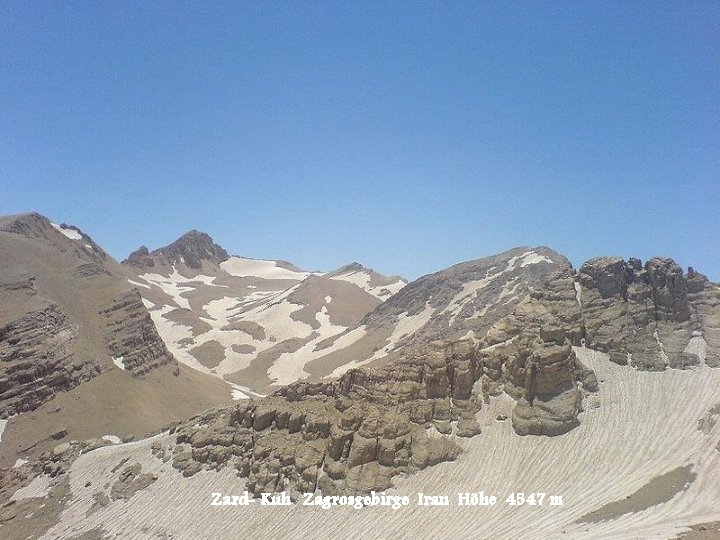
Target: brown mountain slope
x,y
79,353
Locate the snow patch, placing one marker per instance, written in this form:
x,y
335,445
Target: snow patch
x,y
697,346
243,267
290,367
533,258
138,284
404,326
328,299
578,293
508,291
273,315
342,341
39,487
147,303
237,393
663,355
176,284
526,259
72,234
242,392
362,279
3,423
498,345
114,439
468,291
19,463
119,362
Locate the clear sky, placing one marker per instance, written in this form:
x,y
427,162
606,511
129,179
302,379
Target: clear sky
x,y
405,135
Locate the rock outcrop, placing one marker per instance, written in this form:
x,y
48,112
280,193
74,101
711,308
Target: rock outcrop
x,y
37,360
651,316
66,312
529,355
140,258
458,338
131,335
349,436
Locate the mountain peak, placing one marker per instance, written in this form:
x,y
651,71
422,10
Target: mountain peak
x,y
140,258
352,267
28,224
191,248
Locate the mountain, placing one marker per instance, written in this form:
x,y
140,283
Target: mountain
x,y
79,353
585,400
191,249
460,302
251,322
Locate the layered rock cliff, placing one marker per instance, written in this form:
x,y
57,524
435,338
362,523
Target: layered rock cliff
x,y
652,316
66,314
356,433
131,335
36,356
349,436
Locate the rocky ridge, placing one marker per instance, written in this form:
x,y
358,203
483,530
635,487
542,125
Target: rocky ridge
x,y
191,249
355,434
652,316
131,335
351,435
506,325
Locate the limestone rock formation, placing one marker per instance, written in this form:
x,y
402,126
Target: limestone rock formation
x,y
529,355
349,436
437,351
652,316
131,335
37,360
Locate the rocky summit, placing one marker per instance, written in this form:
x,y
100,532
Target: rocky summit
x,y
652,316
499,373
190,249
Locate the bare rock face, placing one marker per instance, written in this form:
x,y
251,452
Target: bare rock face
x,y
37,361
529,355
130,481
192,249
358,432
651,316
350,436
140,258
131,334
355,434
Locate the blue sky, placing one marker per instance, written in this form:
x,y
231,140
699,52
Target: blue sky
x,y
405,135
